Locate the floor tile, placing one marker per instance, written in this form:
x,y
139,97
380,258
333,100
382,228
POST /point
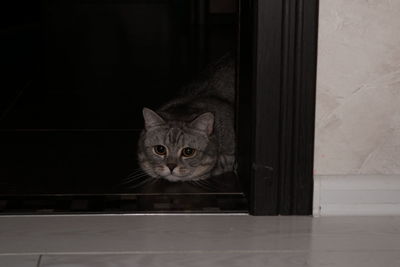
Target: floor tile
x,y
143,234
174,260
231,259
19,261
153,233
354,259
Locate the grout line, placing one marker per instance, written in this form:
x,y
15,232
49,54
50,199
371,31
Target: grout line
x,y
187,252
39,261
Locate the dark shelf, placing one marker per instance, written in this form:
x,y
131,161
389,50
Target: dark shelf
x,y
48,171
115,204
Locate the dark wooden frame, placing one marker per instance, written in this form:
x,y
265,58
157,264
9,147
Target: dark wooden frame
x,y
276,102
276,99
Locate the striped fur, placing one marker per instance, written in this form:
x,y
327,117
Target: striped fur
x,y
202,118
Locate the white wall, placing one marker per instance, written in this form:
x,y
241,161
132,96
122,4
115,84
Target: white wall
x,y
357,150
358,88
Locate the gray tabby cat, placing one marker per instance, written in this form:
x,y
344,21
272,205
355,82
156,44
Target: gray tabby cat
x,y
192,137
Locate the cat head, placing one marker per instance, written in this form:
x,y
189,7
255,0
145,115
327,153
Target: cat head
x,y
177,150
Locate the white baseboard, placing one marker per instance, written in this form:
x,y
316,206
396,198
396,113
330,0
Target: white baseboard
x,y
367,195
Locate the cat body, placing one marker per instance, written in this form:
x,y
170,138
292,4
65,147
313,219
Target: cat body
x,y
192,137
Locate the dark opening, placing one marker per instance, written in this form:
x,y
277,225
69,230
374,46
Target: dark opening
x,y
78,74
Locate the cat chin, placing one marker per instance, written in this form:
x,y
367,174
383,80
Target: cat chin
x,y
173,178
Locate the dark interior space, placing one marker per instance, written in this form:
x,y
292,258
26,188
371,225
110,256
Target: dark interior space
x,y
76,75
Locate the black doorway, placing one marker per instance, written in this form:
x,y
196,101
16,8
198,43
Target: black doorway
x,y
69,128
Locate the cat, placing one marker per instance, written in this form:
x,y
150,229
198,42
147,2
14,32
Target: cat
x,y
192,137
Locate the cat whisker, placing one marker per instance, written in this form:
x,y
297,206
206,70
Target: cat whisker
x,y
132,180
154,181
145,181
135,176
214,92
128,179
136,172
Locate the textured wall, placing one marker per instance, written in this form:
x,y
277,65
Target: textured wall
x,y
358,87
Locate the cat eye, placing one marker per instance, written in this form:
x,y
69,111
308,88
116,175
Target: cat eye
x,y
160,150
188,151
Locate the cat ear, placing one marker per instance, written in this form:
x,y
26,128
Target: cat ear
x,y
151,119
204,123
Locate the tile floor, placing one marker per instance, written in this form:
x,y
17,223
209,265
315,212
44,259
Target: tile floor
x,y
201,240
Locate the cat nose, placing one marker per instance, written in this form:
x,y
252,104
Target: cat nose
x,y
171,166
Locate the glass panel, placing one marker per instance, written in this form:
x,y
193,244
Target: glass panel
x,y
79,74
